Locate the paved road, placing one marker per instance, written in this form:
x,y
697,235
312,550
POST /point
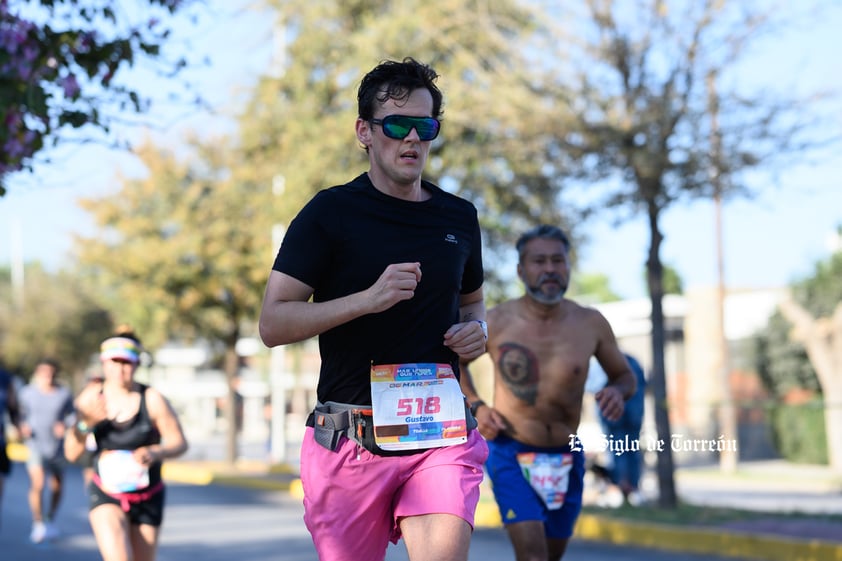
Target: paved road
x,y
220,523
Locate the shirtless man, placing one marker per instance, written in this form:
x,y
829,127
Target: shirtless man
x,y
541,344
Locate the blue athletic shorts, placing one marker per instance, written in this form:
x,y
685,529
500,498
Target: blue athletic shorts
x,y
518,501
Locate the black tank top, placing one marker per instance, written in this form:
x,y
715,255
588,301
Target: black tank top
x,y
131,435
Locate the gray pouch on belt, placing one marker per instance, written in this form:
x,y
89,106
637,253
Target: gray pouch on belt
x,y
327,426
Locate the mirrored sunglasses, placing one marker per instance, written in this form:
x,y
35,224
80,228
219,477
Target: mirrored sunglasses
x,y
399,126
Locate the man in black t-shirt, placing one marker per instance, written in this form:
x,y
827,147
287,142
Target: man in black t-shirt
x,y
387,271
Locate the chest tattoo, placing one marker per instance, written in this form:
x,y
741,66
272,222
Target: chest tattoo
x,y
519,369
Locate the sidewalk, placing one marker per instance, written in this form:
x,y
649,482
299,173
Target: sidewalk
x,y
773,487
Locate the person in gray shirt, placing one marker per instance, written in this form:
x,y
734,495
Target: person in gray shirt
x,y
46,409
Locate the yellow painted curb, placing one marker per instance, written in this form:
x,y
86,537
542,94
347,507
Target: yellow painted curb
x,y
191,474
17,452
185,473
251,482
705,540
487,516
296,489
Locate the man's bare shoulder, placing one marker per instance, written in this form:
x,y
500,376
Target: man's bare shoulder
x,y
505,311
585,311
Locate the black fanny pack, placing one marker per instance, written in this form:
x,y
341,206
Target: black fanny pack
x,y
330,421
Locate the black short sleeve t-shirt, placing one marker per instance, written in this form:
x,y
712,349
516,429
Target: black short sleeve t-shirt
x,y
342,241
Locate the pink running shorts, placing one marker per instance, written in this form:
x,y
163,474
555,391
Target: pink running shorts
x,y
354,500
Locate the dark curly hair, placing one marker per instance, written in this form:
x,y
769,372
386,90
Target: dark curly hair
x,y
396,80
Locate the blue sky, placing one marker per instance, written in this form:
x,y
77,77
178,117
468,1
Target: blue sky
x,y
770,240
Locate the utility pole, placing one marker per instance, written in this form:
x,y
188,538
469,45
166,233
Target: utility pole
x,y
17,271
277,361
729,456
278,375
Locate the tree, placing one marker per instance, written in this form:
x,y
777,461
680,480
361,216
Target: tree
x,y
815,312
783,364
645,103
796,415
59,63
184,252
592,288
298,124
57,316
672,281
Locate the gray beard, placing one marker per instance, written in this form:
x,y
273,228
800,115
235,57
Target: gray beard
x,y
536,294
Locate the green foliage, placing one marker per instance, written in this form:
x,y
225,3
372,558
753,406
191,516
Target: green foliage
x,y
821,292
52,315
671,282
782,363
58,62
183,254
299,123
799,432
591,288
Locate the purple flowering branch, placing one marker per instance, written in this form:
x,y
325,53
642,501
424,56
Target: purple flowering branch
x,y
45,71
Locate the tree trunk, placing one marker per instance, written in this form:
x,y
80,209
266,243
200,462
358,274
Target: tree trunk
x,y
655,273
232,403
833,426
727,414
822,338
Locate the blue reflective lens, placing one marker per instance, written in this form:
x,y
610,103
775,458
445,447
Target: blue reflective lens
x,y
399,126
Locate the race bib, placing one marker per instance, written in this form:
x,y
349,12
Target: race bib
x,y
119,472
417,406
549,475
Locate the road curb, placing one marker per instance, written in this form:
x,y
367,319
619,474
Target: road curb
x,y
17,452
694,540
705,540
197,475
